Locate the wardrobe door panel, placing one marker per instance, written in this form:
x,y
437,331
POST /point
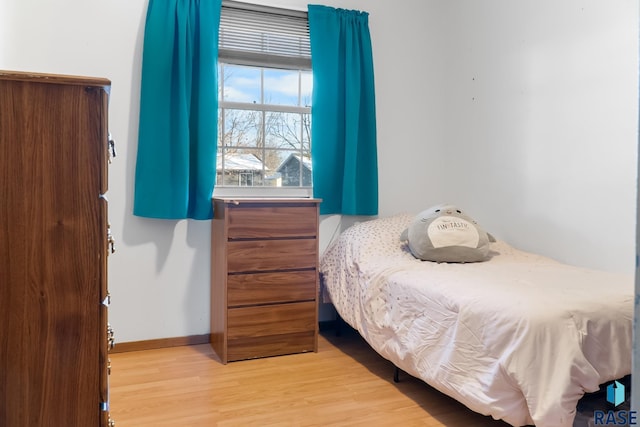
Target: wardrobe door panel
x,y
52,251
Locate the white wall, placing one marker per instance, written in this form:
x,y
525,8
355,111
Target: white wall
x,y
542,124
539,146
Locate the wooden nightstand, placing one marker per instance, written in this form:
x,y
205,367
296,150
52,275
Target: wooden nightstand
x,y
264,277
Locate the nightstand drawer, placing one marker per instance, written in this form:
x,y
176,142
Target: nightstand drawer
x,y
269,255
270,288
271,345
271,330
246,222
275,319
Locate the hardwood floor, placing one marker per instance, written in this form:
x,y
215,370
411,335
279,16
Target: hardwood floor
x,y
344,384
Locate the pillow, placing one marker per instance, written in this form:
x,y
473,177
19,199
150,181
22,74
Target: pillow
x,y
444,233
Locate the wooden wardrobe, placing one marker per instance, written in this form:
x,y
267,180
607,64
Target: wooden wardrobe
x,y
54,243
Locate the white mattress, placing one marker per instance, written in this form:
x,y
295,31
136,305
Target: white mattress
x,y
520,337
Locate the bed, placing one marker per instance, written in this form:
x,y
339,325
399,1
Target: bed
x,y
519,337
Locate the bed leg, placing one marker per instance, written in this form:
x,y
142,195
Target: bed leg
x,y
339,325
396,375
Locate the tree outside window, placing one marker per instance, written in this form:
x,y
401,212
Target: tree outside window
x,y
264,126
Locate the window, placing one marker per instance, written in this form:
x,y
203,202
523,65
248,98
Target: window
x,y
246,179
264,94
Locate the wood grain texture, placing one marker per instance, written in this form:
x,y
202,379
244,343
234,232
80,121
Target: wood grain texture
x,y
52,252
344,384
283,220
264,279
271,319
218,307
247,256
54,78
242,348
270,288
160,343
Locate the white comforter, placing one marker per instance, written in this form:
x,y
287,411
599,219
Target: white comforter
x,y
519,337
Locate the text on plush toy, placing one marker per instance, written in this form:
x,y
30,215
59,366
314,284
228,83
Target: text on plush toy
x,y
452,231
452,225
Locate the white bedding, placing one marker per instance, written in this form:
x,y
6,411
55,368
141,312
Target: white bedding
x,y
520,337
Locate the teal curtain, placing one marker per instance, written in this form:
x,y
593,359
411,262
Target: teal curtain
x,y
176,160
344,153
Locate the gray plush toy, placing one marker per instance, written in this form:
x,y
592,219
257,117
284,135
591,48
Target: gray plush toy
x,y
444,233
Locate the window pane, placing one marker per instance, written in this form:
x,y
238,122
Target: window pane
x,y
292,168
241,128
246,179
242,167
257,144
306,88
306,134
281,87
286,130
240,84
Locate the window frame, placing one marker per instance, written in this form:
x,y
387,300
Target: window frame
x,y
263,61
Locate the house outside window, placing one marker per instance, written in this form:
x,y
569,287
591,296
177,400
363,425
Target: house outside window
x,y
295,170
265,84
246,179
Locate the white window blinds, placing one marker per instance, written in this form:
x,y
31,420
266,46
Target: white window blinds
x,y
264,36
